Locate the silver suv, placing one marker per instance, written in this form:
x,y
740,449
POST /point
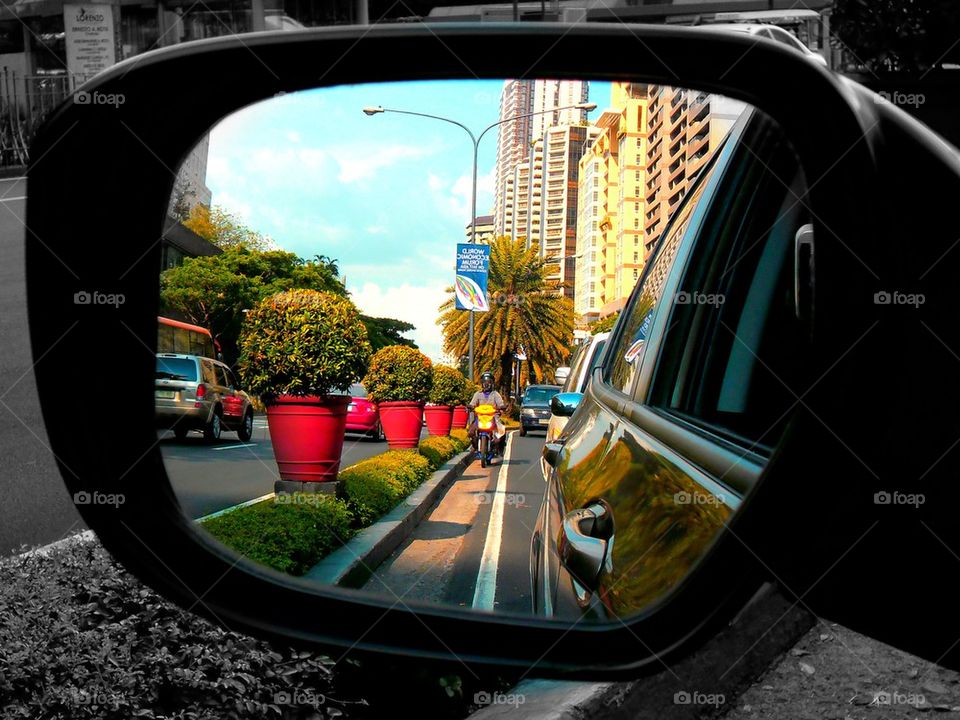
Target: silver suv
x,y
198,393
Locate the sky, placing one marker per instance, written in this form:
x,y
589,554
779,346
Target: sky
x,y
387,196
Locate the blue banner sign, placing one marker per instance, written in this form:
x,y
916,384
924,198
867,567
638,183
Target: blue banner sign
x,y
473,264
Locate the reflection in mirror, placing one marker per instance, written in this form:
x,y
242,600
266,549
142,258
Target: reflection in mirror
x,y
366,313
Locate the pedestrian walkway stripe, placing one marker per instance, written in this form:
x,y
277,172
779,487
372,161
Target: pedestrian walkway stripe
x,y
485,592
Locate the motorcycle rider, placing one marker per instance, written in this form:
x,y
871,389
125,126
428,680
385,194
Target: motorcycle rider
x,y
486,396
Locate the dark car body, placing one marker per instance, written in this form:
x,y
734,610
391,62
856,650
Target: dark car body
x,y
685,387
535,407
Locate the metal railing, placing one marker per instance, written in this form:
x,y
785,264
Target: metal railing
x,y
25,100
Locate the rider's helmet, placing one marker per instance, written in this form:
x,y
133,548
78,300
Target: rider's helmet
x,y
486,380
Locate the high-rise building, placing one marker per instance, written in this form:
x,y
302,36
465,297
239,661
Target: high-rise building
x,y
517,138
652,143
563,146
685,127
484,229
513,143
609,237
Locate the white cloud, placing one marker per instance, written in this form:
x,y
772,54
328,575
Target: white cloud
x,y
415,304
376,230
293,136
362,162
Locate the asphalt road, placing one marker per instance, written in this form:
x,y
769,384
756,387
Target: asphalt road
x,y
471,550
207,478
36,508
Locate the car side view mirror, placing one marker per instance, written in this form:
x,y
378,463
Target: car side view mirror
x,y
701,521
564,404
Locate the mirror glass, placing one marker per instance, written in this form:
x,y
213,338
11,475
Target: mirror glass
x,y
370,295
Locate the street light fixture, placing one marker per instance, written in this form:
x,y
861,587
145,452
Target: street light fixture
x,y
376,110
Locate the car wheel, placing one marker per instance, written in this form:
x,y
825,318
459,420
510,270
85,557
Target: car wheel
x,y
212,430
246,430
180,432
377,434
523,431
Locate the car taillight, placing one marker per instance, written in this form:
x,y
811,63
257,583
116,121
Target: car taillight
x,y
201,391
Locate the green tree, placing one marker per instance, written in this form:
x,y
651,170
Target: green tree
x,y
213,291
222,229
896,35
525,310
387,331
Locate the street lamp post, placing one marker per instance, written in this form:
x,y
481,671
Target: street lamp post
x,y
475,139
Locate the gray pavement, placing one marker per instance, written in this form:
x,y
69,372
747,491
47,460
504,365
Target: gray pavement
x,y
36,508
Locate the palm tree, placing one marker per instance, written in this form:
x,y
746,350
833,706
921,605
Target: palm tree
x,y
525,310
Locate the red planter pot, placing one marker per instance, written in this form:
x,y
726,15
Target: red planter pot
x,y
439,419
307,436
401,423
460,416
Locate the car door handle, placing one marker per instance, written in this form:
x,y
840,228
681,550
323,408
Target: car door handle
x,y
551,452
586,542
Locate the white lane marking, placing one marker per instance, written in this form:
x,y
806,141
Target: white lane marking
x,y
486,589
218,513
13,179
6,199
232,447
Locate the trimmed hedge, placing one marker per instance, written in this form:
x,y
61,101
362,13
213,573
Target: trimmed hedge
x,y
460,438
399,373
449,386
437,450
376,485
290,533
302,342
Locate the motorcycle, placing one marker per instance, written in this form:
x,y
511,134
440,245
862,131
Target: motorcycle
x,y
489,433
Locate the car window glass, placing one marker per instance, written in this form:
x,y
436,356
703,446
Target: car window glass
x,y
209,376
570,384
627,351
731,356
176,369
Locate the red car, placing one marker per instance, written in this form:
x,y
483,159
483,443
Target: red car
x,y
362,414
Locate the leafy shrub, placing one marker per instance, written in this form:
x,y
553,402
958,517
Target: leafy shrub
x,y
290,533
460,439
437,450
302,342
448,386
399,373
374,486
75,607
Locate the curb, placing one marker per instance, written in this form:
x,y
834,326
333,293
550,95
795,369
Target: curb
x,y
764,630
230,509
353,564
44,550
